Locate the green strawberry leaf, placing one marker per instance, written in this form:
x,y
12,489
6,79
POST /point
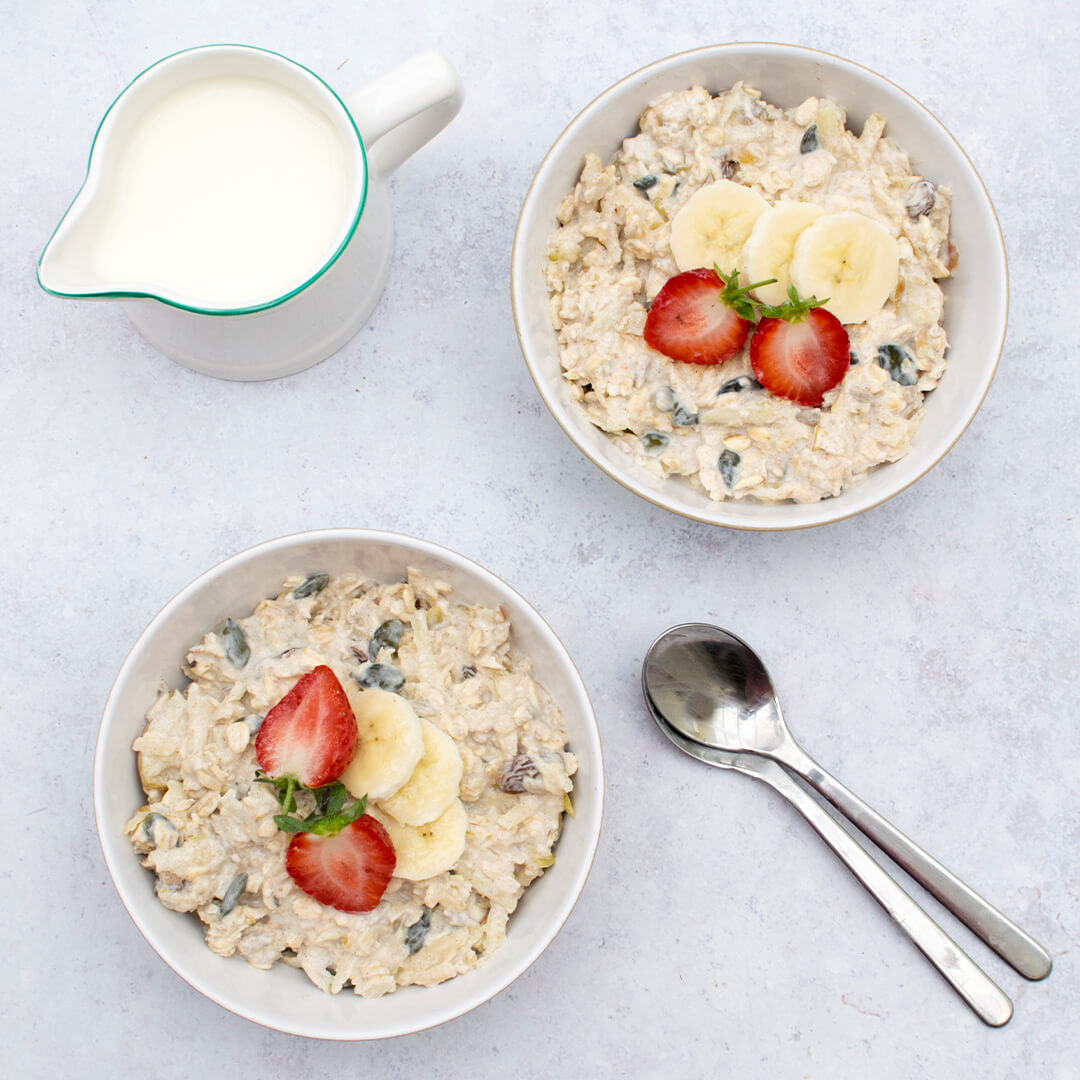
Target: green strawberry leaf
x,y
285,785
330,815
794,309
338,794
735,297
291,824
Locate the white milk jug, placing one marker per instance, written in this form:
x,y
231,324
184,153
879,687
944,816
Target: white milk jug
x,y
237,207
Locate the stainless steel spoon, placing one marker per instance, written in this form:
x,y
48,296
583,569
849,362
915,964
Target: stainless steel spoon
x,y
982,994
713,689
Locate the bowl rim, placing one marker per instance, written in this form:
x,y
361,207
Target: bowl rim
x,y
519,271
111,717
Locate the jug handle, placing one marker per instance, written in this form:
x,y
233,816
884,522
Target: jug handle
x,y
400,111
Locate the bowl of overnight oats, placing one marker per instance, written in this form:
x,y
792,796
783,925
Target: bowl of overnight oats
x,y
760,286
348,784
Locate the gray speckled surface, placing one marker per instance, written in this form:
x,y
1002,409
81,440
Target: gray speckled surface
x,y
925,650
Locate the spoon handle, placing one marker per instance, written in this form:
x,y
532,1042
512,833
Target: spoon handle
x,y
982,994
1011,943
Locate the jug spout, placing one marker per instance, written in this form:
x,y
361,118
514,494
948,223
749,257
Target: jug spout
x,y
68,267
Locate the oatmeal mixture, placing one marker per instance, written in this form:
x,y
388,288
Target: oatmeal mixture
x,y
716,425
208,830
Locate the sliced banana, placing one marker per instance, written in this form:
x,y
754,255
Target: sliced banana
x,y
391,742
426,850
849,258
713,226
434,784
770,245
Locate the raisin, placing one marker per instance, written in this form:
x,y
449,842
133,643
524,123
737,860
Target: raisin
x,y
515,774
919,199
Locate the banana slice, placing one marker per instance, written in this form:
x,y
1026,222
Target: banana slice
x,y
770,245
434,784
426,850
391,742
713,226
850,259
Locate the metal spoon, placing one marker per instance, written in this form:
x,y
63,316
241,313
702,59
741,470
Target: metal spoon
x,y
982,994
713,689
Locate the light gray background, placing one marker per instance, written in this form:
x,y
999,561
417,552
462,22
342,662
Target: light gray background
x,y
925,650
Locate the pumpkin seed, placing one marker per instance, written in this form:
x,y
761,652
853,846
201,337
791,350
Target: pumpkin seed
x,y
643,183
737,386
809,142
898,364
235,643
311,586
653,442
416,934
381,676
232,894
153,819
727,464
387,636
683,417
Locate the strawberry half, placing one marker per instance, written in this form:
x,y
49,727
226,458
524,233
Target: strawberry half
x,y
310,734
700,318
349,870
799,351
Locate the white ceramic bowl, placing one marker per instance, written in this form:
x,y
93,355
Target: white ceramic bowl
x,y
976,298
283,998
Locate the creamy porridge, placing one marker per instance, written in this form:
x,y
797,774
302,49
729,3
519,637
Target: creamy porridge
x,y
619,243
404,650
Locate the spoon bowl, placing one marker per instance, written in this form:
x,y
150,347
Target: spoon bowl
x,y
711,687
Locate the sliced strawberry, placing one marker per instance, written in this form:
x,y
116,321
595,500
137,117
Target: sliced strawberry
x,y
799,351
310,734
700,318
348,871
